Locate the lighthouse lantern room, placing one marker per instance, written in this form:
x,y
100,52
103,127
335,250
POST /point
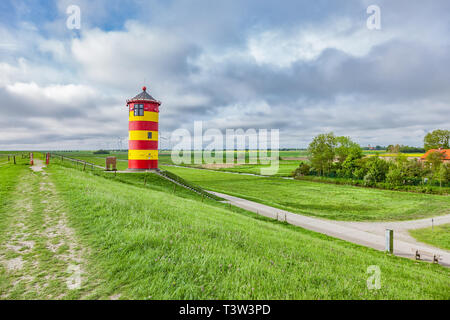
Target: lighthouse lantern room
x,y
143,131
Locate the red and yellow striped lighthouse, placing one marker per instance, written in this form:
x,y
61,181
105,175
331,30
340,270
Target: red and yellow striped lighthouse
x,y
143,131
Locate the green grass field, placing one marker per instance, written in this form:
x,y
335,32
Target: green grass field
x,y
290,160
438,236
338,202
146,242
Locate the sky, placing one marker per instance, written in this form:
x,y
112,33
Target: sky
x,y
303,67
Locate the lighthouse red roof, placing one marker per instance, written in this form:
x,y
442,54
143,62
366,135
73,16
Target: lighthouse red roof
x,y
144,96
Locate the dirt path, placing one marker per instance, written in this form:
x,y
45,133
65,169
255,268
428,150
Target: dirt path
x,y
40,253
369,234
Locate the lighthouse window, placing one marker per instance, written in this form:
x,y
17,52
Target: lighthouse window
x,y
138,110
149,135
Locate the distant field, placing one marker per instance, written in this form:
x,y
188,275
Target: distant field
x,y
288,163
285,166
439,236
337,202
393,155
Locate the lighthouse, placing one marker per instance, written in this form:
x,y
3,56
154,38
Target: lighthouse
x,y
143,131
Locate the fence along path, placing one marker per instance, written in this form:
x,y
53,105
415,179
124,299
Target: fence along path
x,y
83,162
162,174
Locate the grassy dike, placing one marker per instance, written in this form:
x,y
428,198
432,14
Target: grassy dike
x,y
336,202
150,244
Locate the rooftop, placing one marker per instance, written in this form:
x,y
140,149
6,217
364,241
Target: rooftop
x,y
445,153
144,96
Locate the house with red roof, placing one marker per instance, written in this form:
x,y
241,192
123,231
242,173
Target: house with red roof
x,y
445,153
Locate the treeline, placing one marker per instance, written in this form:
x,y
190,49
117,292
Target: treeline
x,y
342,159
404,149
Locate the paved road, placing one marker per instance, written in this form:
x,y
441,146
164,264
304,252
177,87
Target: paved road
x,y
363,233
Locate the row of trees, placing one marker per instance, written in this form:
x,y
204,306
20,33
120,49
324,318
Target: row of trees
x,y
338,156
404,149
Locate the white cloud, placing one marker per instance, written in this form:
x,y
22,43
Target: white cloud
x,y
58,94
281,48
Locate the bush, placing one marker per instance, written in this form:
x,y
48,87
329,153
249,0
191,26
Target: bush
x,y
359,173
377,168
369,180
395,177
302,170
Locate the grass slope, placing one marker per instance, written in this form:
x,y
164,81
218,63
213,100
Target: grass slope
x,y
148,244
339,202
439,236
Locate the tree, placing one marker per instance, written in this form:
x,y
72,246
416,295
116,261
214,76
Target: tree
x,y
435,158
437,139
442,175
377,169
346,147
322,151
393,149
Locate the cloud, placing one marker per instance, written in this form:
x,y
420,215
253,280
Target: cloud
x,y
304,68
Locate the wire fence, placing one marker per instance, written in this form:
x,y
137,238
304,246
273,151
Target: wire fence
x,y
76,163
12,158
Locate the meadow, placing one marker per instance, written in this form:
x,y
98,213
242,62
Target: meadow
x,y
438,236
337,202
148,242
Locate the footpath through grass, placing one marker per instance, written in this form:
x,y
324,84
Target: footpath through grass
x,y
337,202
439,236
151,244
40,257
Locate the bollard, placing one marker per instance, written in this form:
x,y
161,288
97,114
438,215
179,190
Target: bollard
x,y
14,157
31,159
389,240
47,158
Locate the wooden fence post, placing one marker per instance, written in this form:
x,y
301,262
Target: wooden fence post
x,y
84,168
14,159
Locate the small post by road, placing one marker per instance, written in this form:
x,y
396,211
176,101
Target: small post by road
x,y
389,240
14,157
